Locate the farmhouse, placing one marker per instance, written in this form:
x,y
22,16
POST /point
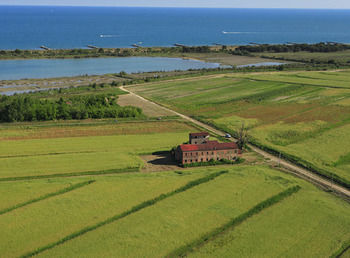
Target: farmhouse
x,y
200,149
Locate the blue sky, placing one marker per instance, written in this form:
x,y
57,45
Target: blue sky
x,y
329,4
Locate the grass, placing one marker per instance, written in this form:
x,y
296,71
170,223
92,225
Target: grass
x,y
46,196
134,209
191,247
13,193
177,221
301,114
47,221
159,229
57,152
308,224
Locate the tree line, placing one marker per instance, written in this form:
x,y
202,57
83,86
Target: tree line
x,y
20,108
319,47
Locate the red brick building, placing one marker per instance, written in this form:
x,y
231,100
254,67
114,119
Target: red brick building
x,y
205,150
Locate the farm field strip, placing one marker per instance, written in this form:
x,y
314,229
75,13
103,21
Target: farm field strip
x,y
179,219
49,220
49,195
71,175
65,130
134,209
107,153
198,243
308,224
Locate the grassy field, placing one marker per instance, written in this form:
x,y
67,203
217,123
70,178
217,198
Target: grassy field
x,y
46,221
143,213
62,149
284,231
161,228
304,114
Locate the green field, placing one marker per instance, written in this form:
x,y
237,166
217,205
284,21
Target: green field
x,y
145,214
304,115
92,149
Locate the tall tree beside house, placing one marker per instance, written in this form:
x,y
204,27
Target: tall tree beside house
x,y
242,136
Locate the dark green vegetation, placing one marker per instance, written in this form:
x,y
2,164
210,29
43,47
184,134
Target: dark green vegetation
x,y
320,47
213,162
134,209
335,54
26,108
191,247
304,116
102,52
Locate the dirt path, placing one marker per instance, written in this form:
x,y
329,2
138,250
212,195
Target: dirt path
x,y
283,163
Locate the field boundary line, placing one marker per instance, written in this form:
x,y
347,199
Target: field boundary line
x,y
342,250
47,196
236,221
74,174
134,209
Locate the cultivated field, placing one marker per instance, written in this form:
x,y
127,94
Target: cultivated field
x,y
303,115
57,226
65,149
50,207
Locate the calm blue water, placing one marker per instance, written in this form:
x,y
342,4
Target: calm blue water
x,y
76,27
47,68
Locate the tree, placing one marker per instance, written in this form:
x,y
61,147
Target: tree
x,y
242,136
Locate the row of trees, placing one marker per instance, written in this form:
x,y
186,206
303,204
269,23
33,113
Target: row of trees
x,y
319,47
26,108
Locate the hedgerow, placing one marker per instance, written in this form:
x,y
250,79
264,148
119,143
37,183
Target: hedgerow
x,y
213,162
86,173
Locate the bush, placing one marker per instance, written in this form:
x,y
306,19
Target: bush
x,y
214,163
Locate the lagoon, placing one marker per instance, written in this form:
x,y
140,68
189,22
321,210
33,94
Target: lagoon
x,y
50,68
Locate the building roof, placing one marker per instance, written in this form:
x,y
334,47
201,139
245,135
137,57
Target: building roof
x,y
209,146
199,134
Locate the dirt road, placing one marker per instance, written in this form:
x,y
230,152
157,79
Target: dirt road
x,y
283,163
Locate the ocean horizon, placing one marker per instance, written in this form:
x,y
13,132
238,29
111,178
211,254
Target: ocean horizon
x,y
29,27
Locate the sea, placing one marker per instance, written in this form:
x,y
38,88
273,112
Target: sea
x,y
29,27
